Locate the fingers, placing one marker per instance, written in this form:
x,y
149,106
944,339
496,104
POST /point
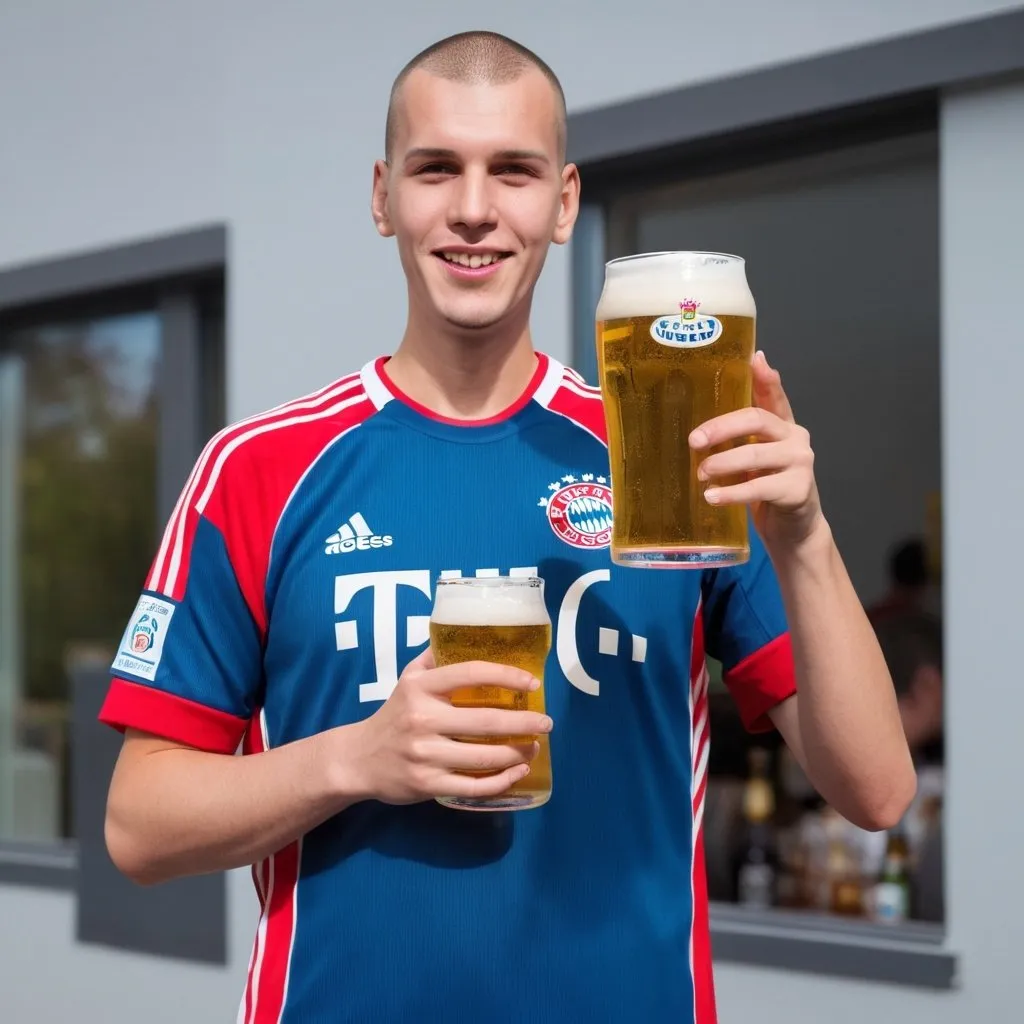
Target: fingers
x,y
476,673
768,391
489,722
486,757
740,424
768,418
476,787
789,489
770,457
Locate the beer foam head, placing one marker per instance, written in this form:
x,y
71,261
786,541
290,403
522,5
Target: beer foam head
x,y
490,602
665,283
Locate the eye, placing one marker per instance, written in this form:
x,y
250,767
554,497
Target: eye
x,y
516,171
436,169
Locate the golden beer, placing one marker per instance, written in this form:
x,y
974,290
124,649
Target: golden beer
x,y
502,620
675,339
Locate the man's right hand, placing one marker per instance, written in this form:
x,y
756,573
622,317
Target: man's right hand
x,y
405,752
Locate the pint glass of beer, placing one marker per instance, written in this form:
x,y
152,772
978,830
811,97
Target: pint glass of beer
x,y
500,619
675,339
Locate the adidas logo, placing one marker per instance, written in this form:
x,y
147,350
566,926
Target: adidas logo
x,y
355,535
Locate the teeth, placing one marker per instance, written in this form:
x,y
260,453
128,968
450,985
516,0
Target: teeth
x,y
473,261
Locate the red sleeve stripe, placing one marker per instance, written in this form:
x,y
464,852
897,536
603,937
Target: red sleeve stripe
x,y
134,706
585,409
575,389
761,681
172,582
173,533
365,414
248,535
574,377
199,467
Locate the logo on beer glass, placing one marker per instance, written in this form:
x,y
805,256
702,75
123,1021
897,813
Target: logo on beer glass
x,y
580,511
686,329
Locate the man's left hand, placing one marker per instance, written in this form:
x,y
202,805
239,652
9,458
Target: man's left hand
x,y
774,468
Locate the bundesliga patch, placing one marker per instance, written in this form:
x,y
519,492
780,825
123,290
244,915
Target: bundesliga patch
x,y
143,642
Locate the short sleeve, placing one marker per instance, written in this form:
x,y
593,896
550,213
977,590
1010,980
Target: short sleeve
x,y
745,628
189,665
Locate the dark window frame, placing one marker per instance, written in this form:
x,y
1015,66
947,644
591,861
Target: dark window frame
x,y
868,93
181,276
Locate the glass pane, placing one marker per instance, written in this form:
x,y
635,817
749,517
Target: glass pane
x,y
80,417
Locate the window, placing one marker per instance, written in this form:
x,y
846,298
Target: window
x,y
103,405
842,259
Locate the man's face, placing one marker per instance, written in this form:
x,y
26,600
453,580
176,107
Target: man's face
x,y
475,194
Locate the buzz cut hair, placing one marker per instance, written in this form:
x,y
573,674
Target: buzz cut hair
x,y
474,57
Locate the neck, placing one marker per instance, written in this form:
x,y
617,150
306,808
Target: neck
x,y
466,375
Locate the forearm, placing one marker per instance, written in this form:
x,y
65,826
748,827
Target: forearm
x,y
173,811
848,728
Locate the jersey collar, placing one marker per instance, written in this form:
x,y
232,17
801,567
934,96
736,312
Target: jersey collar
x,y
381,390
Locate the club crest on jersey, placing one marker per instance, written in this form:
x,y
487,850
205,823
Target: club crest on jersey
x,y
579,510
143,634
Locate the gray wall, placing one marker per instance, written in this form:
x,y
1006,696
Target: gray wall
x,y
145,117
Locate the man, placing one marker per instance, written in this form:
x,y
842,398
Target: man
x,y
290,598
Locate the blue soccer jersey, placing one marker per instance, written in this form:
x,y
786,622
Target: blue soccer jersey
x,y
295,582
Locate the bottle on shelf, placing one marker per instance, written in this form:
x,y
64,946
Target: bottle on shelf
x,y
757,861
892,891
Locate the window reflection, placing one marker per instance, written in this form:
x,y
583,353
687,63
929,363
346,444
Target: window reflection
x,y
80,420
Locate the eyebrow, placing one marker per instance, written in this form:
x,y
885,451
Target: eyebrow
x,y
449,154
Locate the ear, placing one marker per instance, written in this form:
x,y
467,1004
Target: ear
x,y
568,204
379,199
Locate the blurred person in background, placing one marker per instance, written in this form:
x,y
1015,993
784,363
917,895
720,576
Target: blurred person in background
x,y
909,583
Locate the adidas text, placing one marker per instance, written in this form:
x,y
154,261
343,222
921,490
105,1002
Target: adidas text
x,y
355,535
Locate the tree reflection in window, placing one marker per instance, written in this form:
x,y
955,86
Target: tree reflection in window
x,y
86,508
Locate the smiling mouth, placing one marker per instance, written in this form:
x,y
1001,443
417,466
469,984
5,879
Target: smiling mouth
x,y
472,261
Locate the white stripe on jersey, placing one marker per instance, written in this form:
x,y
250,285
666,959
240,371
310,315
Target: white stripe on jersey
x,y
176,524
548,387
225,453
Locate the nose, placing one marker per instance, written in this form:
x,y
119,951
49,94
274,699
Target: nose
x,y
472,204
